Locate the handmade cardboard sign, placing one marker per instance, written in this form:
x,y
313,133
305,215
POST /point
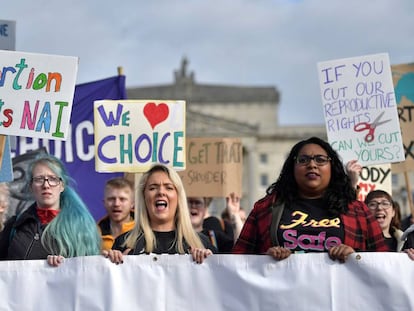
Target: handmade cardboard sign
x,y
214,167
6,167
374,177
403,78
7,42
36,94
360,109
131,135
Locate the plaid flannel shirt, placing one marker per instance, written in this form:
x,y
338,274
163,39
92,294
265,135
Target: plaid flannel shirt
x,y
361,230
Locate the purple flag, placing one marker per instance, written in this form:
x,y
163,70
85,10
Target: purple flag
x,y
78,152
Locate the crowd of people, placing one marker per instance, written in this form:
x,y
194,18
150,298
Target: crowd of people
x,y
311,207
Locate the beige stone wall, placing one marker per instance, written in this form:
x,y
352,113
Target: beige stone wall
x,y
264,115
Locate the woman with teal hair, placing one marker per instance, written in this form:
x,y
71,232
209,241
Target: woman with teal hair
x,y
57,225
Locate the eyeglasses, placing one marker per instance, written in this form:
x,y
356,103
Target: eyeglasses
x,y
319,159
195,203
53,181
375,204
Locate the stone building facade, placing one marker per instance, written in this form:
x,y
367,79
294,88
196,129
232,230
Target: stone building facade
x,y
246,112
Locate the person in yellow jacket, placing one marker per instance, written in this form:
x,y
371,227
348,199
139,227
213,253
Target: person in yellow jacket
x,y
119,205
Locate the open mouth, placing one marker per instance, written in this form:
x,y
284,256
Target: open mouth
x,y
194,213
380,217
161,204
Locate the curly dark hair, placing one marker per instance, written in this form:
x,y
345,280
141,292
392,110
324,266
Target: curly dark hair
x,y
339,192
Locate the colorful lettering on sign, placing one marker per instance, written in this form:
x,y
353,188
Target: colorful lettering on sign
x,y
142,150
114,120
8,113
33,122
33,81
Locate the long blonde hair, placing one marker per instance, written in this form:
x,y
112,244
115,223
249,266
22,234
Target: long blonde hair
x,y
184,230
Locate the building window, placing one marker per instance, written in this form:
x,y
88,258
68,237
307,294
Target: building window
x,y
264,180
263,158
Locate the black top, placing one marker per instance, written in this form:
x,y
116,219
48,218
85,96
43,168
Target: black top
x,y
307,226
220,234
391,243
165,243
409,243
20,238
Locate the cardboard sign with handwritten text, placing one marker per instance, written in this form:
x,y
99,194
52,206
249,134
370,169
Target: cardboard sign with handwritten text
x,y
375,177
131,135
403,78
214,167
360,109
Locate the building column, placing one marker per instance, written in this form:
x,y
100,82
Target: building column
x,y
251,165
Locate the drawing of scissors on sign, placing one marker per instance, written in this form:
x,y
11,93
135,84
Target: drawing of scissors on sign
x,y
370,127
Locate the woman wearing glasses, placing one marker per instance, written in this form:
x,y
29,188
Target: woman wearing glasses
x,y
388,216
56,225
310,208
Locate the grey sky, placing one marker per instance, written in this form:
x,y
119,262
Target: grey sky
x,y
236,42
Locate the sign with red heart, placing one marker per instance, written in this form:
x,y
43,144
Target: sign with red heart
x,y
132,135
156,114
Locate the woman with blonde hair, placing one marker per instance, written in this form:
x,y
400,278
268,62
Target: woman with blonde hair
x,y
162,220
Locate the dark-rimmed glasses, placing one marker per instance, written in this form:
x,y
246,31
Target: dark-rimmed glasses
x,y
53,181
195,203
319,159
376,204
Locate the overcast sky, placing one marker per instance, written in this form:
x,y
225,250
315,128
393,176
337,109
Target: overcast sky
x,y
236,42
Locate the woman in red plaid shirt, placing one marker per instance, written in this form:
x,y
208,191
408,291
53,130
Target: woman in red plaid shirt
x,y
310,208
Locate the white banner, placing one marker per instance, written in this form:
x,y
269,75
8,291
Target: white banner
x,y
367,281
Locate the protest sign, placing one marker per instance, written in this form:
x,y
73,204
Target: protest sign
x,y
360,109
3,140
77,152
7,42
7,35
6,167
36,94
214,167
374,177
131,135
403,78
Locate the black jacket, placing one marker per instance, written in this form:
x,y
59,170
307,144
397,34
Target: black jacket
x,y
408,237
20,238
220,234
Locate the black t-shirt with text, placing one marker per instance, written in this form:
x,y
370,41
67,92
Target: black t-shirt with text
x,y
307,226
